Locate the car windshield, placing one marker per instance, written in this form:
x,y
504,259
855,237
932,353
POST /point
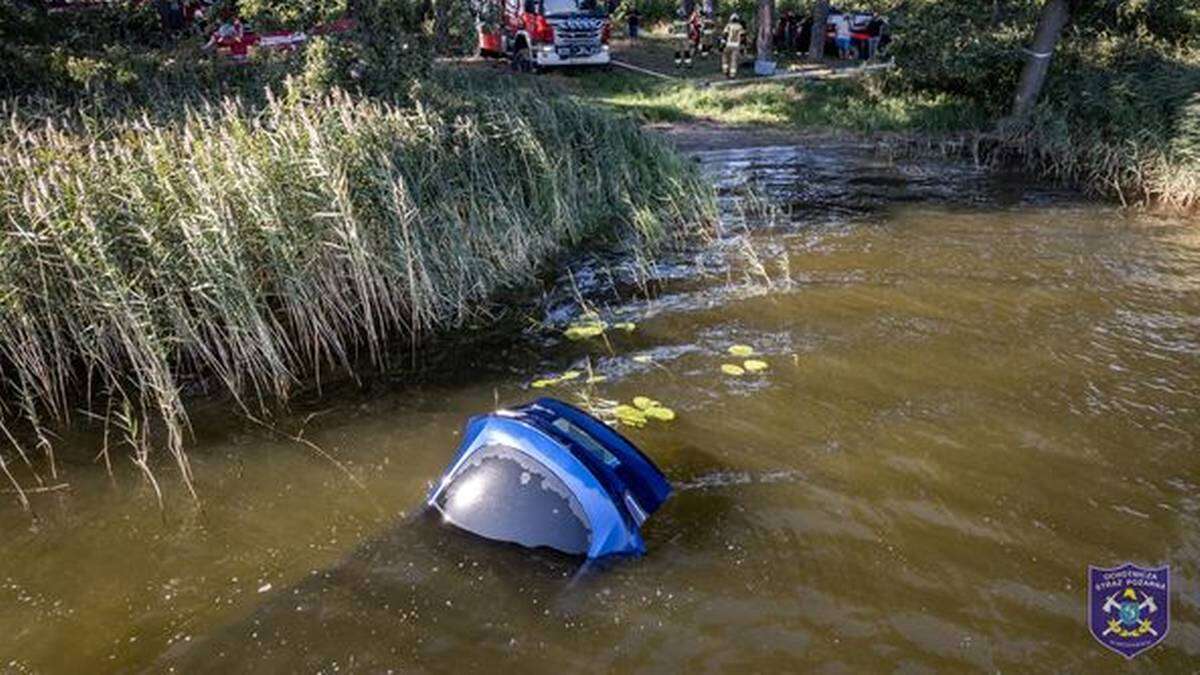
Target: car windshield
x,y
551,7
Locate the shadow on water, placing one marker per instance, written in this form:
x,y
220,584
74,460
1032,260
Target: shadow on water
x,y
406,590
423,586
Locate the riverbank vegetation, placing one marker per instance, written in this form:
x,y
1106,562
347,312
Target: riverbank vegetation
x,y
823,106
1120,107
1119,112
246,234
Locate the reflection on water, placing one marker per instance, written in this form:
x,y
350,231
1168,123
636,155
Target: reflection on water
x,y
975,389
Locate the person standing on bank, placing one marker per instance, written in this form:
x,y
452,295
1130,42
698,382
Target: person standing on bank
x,y
734,31
635,22
841,35
875,29
695,30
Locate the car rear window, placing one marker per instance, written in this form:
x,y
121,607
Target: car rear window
x,y
507,495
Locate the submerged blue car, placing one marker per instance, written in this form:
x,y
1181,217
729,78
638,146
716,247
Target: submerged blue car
x,y
547,474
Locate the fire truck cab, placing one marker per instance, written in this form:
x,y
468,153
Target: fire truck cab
x,y
543,33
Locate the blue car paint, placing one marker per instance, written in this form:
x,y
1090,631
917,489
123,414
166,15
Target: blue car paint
x,y
604,492
635,471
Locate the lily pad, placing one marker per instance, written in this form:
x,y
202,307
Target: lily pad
x,y
542,384
644,402
741,350
643,358
569,375
754,365
630,415
732,369
596,379
585,330
661,413
626,326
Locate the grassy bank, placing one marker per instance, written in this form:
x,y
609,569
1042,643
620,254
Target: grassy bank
x,y
256,248
1129,134
838,105
1121,118
1119,114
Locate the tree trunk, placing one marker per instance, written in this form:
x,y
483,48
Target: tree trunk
x,y
766,29
816,44
1055,15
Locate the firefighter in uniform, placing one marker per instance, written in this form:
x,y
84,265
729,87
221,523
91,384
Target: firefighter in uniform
x,y
734,31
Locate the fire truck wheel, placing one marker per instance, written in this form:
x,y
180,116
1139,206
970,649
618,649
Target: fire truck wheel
x,y
522,61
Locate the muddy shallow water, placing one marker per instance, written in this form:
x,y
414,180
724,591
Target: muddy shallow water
x,y
976,388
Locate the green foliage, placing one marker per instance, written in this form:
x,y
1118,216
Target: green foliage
x,y
328,64
849,105
1116,101
1120,115
651,11
120,24
1176,22
381,56
251,247
269,14
975,49
955,47
452,28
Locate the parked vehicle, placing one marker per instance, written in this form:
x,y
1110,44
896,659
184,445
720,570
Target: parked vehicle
x,y
860,34
540,33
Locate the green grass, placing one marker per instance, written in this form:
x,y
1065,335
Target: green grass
x,y
836,105
254,249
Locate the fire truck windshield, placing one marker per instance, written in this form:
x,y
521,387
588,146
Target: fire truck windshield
x,y
553,7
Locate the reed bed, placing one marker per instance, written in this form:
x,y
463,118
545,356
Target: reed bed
x,y
1129,129
255,248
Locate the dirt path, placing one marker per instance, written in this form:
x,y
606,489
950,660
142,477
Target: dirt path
x,y
654,56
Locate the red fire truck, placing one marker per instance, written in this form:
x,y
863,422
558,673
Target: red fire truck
x,y
539,33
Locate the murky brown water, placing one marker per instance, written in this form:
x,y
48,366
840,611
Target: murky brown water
x,y
976,389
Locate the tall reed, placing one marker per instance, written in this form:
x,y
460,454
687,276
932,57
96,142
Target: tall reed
x,y
258,248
